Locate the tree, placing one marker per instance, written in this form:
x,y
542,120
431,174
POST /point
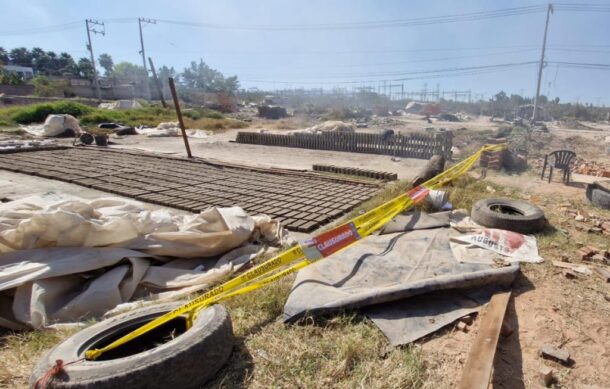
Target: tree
x,y
164,73
40,60
85,68
126,72
105,61
45,87
201,76
500,97
3,56
66,65
231,85
20,56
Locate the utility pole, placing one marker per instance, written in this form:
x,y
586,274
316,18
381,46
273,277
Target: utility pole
x,y
157,83
140,21
90,48
541,66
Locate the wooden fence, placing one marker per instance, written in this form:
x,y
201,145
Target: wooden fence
x,y
417,145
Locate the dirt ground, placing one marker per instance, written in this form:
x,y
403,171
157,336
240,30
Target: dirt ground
x,y
221,147
546,307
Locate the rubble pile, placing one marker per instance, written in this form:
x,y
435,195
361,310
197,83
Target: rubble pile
x,y
588,222
591,168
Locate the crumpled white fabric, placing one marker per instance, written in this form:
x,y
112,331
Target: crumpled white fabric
x,y
65,259
54,125
168,129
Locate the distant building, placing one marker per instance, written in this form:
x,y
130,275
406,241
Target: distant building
x,y
26,73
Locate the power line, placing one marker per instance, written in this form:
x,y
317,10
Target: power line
x,y
422,74
423,21
473,16
581,65
43,30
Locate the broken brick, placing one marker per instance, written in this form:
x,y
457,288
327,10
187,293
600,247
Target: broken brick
x,y
587,252
550,352
546,376
570,274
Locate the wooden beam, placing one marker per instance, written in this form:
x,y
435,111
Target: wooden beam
x,y
477,371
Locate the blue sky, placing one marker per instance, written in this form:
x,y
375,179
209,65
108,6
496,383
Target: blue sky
x,y
327,58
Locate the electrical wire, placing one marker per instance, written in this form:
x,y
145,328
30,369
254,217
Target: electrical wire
x,y
581,65
422,74
423,21
44,30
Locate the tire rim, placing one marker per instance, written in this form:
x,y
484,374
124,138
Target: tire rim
x,y
151,340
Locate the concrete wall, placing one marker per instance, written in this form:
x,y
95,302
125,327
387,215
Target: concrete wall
x,y
17,90
117,92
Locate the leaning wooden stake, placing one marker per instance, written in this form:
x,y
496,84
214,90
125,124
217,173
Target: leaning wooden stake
x,y
477,371
172,87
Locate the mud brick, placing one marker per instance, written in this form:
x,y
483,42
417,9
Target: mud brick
x,y
302,215
319,218
546,376
307,227
587,252
296,224
550,352
334,213
288,221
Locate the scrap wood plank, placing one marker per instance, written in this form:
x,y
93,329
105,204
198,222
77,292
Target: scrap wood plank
x,y
602,273
477,371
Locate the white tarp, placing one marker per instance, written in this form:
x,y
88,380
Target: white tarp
x,y
64,259
121,104
327,126
54,125
168,129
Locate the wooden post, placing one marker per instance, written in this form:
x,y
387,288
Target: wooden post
x,y
477,371
157,83
172,87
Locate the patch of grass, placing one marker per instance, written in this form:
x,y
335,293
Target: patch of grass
x,y
467,190
20,351
344,351
202,118
38,112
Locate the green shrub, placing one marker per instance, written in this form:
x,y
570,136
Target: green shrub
x,y
46,87
200,113
38,113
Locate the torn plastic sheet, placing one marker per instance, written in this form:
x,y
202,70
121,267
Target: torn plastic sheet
x,y
405,321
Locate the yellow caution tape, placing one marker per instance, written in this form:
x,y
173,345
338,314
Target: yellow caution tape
x,y
307,253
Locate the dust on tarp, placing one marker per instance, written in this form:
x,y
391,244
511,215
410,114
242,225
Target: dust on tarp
x,y
65,259
390,276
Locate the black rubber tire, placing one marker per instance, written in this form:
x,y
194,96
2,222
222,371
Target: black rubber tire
x,y
530,218
187,361
598,195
